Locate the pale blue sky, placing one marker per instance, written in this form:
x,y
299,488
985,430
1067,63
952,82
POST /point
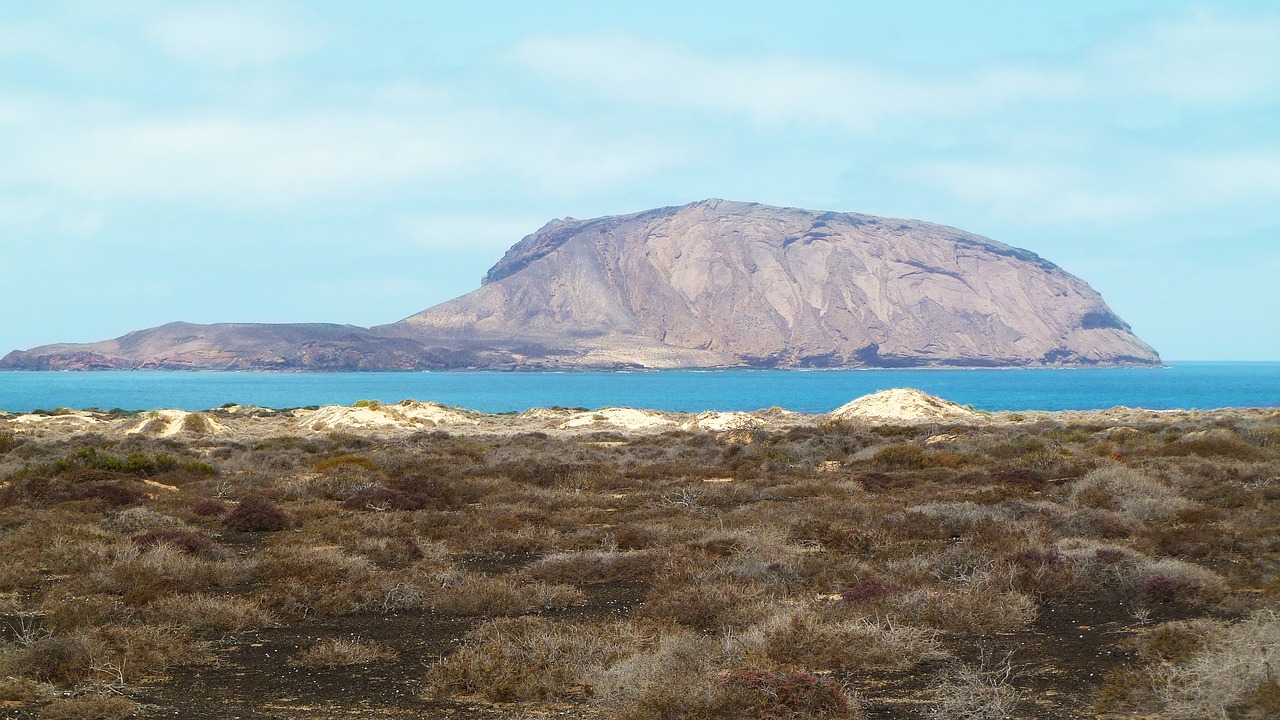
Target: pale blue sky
x,y
360,161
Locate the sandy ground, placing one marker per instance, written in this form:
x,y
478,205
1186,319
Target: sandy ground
x,y
900,406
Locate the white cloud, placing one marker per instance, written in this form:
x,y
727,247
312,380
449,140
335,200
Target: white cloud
x,y
773,91
1230,178
433,232
1203,56
367,147
229,38
1036,192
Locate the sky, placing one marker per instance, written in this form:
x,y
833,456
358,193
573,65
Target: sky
x,y
356,162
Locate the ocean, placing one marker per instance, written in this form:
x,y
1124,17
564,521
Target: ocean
x,y
1202,385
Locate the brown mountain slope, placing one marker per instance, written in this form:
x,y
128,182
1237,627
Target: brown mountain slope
x,y
714,283
761,285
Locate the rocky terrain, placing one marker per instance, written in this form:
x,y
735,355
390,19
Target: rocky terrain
x,y
710,284
900,558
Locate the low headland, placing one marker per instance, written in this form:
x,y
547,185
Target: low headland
x,y
899,557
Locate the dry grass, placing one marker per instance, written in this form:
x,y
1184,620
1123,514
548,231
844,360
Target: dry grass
x,y
610,576
342,652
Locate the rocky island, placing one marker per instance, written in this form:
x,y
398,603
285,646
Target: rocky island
x,y
709,284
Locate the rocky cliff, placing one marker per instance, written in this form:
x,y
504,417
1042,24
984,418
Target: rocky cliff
x,y
710,284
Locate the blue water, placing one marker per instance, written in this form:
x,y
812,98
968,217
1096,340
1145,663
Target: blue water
x,y
1200,385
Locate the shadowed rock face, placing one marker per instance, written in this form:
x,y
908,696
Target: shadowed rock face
x,y
714,283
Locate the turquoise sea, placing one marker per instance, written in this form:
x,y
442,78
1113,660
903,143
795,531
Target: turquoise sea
x,y
1202,385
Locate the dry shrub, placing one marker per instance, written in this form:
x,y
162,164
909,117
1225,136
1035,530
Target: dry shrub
x,y
1046,573
869,590
974,692
497,596
980,606
1168,580
57,660
141,575
583,568
1214,444
299,581
881,482
706,604
413,492
18,575
210,508
531,658
108,654
111,494
775,695
202,613
75,611
8,439
811,637
94,706
137,652
1231,672
257,514
389,551
1174,642
1195,540
196,424
672,670
840,536
1127,491
192,542
139,519
909,457
355,462
20,690
946,520
1102,571
342,652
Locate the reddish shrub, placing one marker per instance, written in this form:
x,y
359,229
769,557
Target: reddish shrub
x,y
256,514
1033,559
113,494
191,542
772,695
868,590
1021,477
1162,588
875,481
391,499
210,508
411,492
1109,556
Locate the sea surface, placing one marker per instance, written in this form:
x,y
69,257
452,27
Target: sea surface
x,y
1202,385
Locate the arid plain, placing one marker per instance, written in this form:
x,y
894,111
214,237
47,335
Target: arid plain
x,y
901,557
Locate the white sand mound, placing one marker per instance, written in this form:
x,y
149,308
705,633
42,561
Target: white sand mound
x,y
549,415
434,413
405,415
722,421
77,420
905,406
168,423
626,418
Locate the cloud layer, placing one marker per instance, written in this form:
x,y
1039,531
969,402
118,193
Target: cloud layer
x,y
301,138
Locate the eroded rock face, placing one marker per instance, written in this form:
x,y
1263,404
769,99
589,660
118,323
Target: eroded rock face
x,y
722,283
710,284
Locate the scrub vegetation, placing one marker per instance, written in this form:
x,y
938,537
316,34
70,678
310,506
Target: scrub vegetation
x,y
1034,569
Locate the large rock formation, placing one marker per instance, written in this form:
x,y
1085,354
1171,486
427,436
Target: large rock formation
x,y
710,284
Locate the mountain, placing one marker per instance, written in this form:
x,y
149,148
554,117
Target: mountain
x,y
710,284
